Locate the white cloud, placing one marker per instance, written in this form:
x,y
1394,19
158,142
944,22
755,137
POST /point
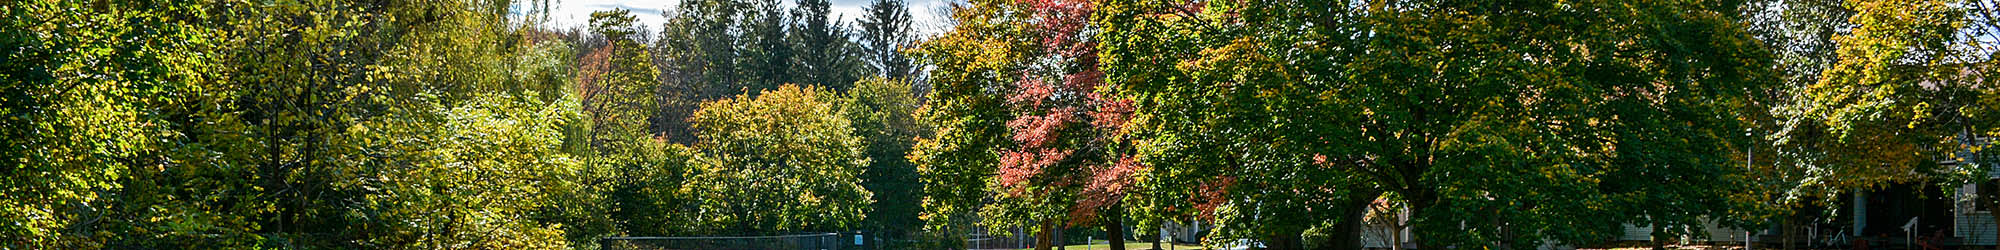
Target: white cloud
x,y
571,13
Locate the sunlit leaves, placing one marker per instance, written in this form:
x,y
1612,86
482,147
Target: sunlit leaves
x,y
785,160
1311,110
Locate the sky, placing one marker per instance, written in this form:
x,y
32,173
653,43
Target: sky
x,y
926,14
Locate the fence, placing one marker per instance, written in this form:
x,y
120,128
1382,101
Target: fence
x,y
830,241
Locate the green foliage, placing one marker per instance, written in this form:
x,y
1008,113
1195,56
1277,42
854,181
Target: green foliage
x,y
473,181
974,62
649,186
825,55
79,111
634,178
785,160
1500,124
618,83
767,51
697,60
282,124
461,124
884,33
1896,91
883,113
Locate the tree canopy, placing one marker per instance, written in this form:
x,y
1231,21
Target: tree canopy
x,y
1290,123
1499,124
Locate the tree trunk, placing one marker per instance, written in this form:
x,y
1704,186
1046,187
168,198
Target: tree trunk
x,y
1396,233
1287,240
1788,226
1114,226
1159,235
1061,243
1046,237
1347,228
1659,242
1417,201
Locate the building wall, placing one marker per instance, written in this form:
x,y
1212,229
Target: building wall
x,y
1971,227
1722,235
1974,229
1376,236
1636,233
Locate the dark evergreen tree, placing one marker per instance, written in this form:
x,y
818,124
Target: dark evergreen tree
x,y
699,49
885,31
767,57
826,55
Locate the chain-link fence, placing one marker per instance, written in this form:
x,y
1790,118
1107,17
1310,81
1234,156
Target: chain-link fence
x,y
829,241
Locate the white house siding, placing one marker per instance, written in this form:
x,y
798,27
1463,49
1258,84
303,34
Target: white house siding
x,y
1971,227
1720,234
1974,229
1377,236
1713,232
1636,233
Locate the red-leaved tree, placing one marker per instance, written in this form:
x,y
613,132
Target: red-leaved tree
x,y
1068,163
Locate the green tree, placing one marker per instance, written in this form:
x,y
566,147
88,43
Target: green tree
x,y
699,51
83,83
280,124
883,112
974,63
784,160
1899,87
618,83
767,56
825,54
1499,124
885,33
639,173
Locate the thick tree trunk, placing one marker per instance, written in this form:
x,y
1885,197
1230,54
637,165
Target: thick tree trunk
x,y
1347,229
1658,242
1288,240
1114,226
1046,237
1061,243
1158,236
1418,200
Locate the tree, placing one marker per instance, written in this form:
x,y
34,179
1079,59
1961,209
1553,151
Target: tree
x,y
767,54
784,160
885,32
1498,124
1064,162
1903,87
883,113
955,166
642,173
825,54
282,124
1068,163
79,114
699,50
618,83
